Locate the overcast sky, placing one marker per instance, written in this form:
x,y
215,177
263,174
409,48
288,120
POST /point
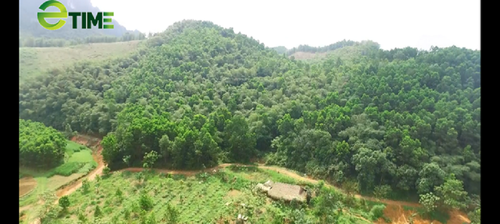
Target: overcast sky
x,y
392,24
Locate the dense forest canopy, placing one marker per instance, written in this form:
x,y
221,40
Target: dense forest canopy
x,y
198,94
40,146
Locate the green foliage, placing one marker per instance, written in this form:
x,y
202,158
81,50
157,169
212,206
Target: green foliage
x,y
106,171
150,159
475,216
40,146
97,212
171,215
85,186
452,193
377,211
145,202
382,191
198,94
64,202
67,169
429,201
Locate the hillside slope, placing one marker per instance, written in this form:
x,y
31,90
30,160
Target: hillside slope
x,y
35,61
396,124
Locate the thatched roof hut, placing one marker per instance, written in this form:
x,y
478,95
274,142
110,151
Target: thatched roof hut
x,y
287,192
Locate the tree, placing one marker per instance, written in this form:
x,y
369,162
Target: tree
x,y
429,201
430,175
452,192
64,202
382,191
150,159
85,186
241,142
475,216
40,146
97,212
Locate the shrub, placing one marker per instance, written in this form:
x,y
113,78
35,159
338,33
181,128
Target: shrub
x,y
382,191
119,193
64,202
82,217
106,171
429,201
377,211
126,214
85,186
145,202
97,212
172,214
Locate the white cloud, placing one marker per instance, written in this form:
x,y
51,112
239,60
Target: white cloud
x,y
391,23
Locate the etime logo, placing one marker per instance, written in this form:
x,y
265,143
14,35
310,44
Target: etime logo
x,y
88,19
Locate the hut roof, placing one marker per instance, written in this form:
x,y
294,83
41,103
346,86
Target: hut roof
x,y
287,192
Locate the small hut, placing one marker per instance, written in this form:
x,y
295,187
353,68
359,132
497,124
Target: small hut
x,y
282,191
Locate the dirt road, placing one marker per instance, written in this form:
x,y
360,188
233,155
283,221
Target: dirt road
x,y
78,183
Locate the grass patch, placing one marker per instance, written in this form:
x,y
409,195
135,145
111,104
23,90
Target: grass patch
x,y
78,162
67,169
36,61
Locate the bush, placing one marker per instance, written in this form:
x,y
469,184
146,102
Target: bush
x,y
145,202
67,169
382,191
64,202
85,186
97,212
377,211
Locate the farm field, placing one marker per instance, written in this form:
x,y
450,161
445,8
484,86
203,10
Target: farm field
x,y
224,188
78,162
209,197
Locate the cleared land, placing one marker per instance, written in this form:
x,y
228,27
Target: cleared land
x,y
308,55
26,184
78,162
34,61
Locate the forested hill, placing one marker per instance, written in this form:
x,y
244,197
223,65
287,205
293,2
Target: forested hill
x,y
402,121
30,27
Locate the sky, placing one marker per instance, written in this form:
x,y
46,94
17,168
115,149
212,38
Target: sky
x,y
391,23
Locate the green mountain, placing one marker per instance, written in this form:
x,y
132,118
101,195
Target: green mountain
x,y
403,122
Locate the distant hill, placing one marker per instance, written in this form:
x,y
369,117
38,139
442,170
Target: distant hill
x,y
280,49
344,49
39,61
29,26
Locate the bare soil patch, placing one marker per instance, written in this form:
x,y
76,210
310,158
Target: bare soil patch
x,y
233,193
399,215
458,217
26,185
